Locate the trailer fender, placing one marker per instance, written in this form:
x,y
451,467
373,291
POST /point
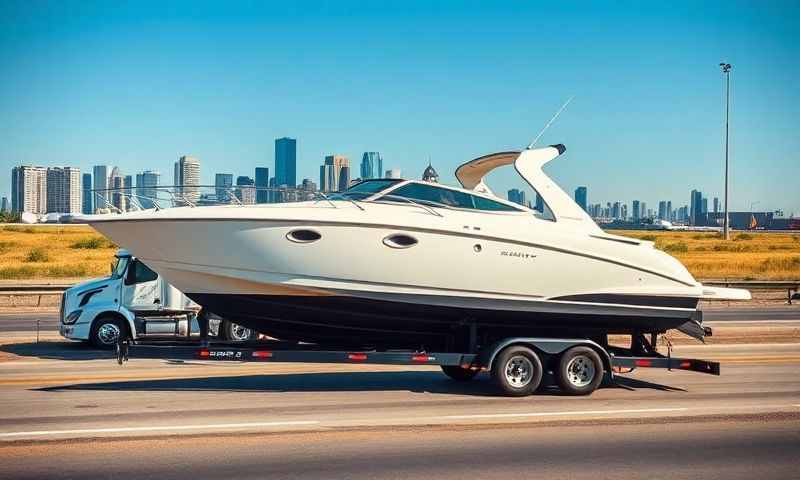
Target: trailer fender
x,y
550,346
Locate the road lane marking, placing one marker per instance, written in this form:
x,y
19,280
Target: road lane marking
x,y
554,414
39,433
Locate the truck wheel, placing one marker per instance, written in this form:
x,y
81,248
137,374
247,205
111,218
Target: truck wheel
x,y
106,331
517,370
237,333
457,373
580,371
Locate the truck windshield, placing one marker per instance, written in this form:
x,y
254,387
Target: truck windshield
x,y
120,264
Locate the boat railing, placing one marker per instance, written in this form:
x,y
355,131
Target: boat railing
x,y
124,199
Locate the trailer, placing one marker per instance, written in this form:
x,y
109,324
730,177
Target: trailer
x,y
517,365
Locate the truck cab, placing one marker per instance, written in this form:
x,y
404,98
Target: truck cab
x,y
136,303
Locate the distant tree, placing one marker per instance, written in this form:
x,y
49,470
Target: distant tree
x,y
9,217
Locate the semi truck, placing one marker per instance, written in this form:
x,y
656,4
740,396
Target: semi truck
x,y
135,303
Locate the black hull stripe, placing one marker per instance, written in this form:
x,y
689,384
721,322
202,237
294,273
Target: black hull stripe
x,y
639,300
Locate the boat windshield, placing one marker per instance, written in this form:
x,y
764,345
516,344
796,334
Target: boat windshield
x,y
367,188
437,196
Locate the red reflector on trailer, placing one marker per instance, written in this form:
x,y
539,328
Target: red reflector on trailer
x,y
686,364
420,358
357,356
643,363
262,354
203,353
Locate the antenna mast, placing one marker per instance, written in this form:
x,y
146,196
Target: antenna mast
x,y
550,123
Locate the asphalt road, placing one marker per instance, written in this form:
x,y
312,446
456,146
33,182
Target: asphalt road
x,y
48,321
763,448
70,412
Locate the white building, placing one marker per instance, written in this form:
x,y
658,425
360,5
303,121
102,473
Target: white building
x,y
117,183
63,190
29,189
393,173
187,178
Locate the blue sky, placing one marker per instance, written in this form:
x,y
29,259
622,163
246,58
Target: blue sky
x,y
141,84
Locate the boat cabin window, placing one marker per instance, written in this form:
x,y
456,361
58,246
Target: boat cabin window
x,y
438,196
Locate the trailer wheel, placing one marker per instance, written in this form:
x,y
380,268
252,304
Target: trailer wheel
x,y
580,371
517,370
235,332
106,331
457,373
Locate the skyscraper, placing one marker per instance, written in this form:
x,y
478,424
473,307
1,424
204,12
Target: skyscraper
x,y
87,205
187,179
63,190
643,210
147,188
286,162
223,183
580,197
539,202
4,205
117,183
262,183
516,196
662,210
131,203
696,208
344,178
29,189
616,211
100,176
635,209
670,216
371,165
331,175
245,191
716,204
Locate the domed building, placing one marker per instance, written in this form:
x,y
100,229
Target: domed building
x,y
430,175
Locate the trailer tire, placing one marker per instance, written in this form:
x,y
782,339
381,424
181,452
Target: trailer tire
x,y
580,371
106,331
517,370
458,373
235,332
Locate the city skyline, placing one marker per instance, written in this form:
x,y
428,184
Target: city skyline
x,y
647,118
334,172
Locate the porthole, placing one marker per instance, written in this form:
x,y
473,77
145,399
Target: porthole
x,y
477,248
303,236
400,240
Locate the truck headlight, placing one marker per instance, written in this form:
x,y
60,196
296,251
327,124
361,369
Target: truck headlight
x,y
72,317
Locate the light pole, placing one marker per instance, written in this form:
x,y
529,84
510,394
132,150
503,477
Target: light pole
x,y
726,70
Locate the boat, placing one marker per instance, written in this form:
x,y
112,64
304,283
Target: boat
x,y
393,263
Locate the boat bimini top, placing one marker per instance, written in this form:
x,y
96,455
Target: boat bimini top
x,y
528,164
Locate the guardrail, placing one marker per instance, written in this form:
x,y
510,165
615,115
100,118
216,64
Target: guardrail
x,y
792,287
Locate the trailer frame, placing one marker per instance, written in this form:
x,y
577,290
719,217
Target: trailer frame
x,y
642,354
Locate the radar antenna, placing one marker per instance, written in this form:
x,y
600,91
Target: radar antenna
x,y
550,123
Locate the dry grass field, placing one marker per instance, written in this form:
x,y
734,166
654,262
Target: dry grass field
x,y
749,256
29,252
